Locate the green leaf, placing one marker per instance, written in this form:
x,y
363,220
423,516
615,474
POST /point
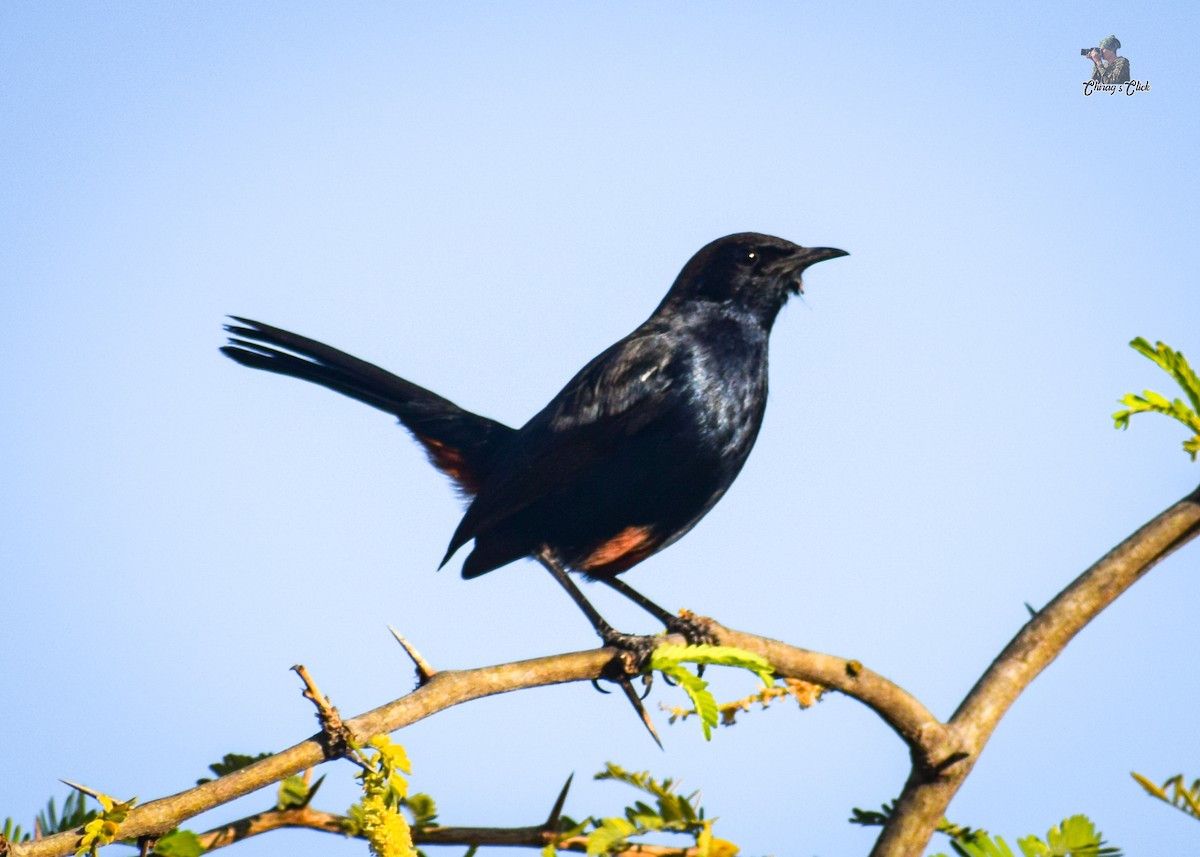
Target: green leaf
x,y
1155,791
423,809
1175,364
179,843
1157,401
1073,837
671,813
1175,792
640,780
610,836
105,828
232,762
670,660
293,793
1140,345
703,701
981,845
11,831
722,656
871,818
1076,835
1032,846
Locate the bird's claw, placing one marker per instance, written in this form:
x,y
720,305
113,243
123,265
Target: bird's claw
x,y
697,630
633,651
647,681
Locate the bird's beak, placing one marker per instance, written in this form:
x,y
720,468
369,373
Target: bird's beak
x,y
811,255
802,259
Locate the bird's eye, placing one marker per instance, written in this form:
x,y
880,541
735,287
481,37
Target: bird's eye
x,y
749,257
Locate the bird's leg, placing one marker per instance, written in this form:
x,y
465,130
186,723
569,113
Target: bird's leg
x,y
694,630
639,647
547,558
640,600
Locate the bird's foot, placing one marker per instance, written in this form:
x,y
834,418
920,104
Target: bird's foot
x,y
632,658
697,630
634,650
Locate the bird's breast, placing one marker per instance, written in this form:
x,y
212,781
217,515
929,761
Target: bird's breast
x,y
727,389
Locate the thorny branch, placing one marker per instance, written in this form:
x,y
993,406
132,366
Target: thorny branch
x,y
451,687
943,754
532,836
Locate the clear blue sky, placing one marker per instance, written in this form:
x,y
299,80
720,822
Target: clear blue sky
x,y
483,196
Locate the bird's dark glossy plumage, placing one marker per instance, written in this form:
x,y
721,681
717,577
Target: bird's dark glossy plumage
x,y
633,451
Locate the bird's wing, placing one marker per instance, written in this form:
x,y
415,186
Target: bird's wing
x,y
615,397
463,445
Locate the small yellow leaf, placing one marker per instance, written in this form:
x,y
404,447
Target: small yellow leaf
x,y
722,848
1152,788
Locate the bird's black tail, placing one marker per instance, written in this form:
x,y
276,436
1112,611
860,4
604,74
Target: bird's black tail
x,y
461,444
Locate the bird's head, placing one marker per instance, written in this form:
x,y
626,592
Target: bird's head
x,y
747,271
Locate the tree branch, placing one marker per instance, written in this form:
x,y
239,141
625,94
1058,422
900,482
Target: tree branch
x,y
943,754
446,689
904,713
928,739
536,836
928,792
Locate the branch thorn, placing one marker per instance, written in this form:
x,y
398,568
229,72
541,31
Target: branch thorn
x,y
636,702
89,792
425,670
556,811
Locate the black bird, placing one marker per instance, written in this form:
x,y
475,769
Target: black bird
x,y
633,451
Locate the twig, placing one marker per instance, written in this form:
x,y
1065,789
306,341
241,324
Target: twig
x,y
537,836
337,737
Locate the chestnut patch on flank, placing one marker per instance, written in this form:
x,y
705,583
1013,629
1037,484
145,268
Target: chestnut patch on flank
x,y
451,462
627,548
